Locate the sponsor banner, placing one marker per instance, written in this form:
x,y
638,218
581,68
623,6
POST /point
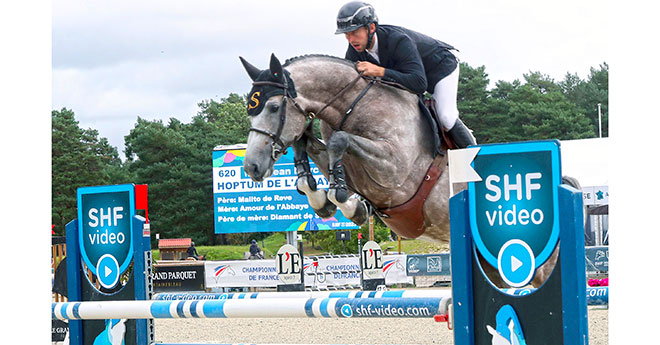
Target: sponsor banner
x,y
105,230
178,278
428,265
242,205
332,271
394,270
372,260
517,199
288,264
597,259
597,195
327,272
59,330
254,273
389,307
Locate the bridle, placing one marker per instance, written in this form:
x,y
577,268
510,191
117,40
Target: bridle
x,y
278,147
277,136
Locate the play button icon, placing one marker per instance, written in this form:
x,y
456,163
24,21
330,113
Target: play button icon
x,y
516,263
107,270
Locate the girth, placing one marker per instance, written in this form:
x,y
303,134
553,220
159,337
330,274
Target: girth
x,y
407,219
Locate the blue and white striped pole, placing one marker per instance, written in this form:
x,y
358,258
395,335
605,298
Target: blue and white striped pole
x,y
595,295
253,308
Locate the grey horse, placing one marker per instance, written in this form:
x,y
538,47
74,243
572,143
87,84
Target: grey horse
x,y
381,150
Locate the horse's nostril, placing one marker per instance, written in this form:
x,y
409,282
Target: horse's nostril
x,y
252,169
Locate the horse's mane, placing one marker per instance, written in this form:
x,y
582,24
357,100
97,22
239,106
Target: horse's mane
x,y
339,60
323,56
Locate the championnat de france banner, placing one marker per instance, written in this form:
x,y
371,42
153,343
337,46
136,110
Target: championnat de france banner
x,y
242,205
336,271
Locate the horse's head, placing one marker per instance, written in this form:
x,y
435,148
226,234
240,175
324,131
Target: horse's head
x,y
272,131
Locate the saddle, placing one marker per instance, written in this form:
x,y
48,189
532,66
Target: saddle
x,y
443,141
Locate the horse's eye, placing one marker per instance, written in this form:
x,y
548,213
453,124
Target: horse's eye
x,y
274,108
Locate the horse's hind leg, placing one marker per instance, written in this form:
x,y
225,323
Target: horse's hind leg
x,y
338,193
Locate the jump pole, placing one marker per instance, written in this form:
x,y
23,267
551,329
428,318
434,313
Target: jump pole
x,y
254,308
595,295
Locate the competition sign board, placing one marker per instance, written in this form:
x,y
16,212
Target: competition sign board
x,y
513,209
514,214
110,239
105,226
242,205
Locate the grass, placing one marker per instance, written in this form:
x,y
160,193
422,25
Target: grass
x,y
236,252
415,247
272,244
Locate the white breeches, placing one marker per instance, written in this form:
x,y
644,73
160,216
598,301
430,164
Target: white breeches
x,y
444,99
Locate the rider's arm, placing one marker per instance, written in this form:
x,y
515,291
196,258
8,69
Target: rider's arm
x,y
408,68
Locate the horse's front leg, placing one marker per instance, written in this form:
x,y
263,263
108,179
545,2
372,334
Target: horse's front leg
x,y
352,208
306,183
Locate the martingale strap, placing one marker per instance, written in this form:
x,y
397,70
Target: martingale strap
x,y
335,97
355,102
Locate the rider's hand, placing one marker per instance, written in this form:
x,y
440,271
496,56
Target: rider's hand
x,y
370,69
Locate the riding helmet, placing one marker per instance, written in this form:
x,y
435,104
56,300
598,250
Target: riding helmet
x,y
353,15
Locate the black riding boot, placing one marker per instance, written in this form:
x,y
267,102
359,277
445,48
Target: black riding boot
x,y
461,135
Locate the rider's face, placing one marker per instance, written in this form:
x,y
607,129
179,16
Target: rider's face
x,y
358,38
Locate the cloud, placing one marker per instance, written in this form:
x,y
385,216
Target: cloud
x,y
114,61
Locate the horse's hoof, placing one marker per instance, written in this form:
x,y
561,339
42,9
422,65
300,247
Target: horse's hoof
x,y
327,211
341,194
361,214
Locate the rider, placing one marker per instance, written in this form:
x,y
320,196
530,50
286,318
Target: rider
x,y
416,61
192,251
255,250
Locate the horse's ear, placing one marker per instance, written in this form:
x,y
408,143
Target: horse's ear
x,y
276,68
252,71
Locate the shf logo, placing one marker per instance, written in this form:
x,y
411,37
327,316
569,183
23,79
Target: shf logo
x,y
346,310
515,196
289,264
105,228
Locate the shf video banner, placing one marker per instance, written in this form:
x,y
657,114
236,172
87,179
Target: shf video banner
x,y
242,205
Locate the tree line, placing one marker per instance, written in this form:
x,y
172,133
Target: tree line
x,y
174,158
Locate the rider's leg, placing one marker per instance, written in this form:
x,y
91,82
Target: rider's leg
x,y
444,104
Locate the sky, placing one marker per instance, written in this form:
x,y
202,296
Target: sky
x,y
113,61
